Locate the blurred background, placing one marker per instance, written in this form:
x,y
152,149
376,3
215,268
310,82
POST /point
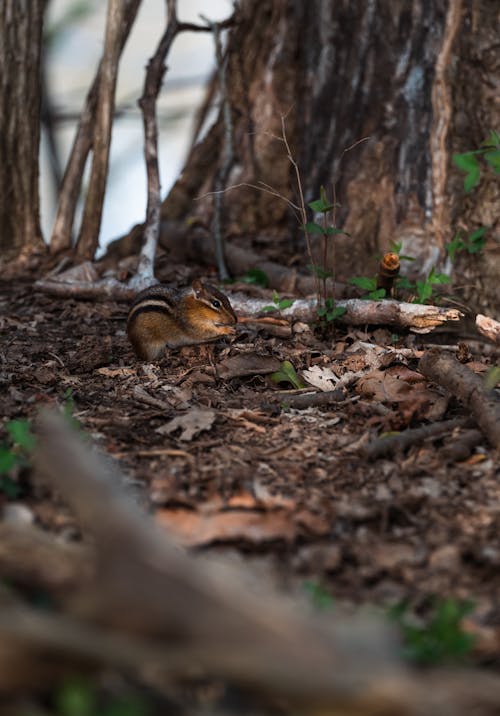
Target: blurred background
x,y
74,36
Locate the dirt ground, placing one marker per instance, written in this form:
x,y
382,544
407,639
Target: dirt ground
x,y
206,441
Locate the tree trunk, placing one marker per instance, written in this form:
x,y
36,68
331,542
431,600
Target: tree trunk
x,y
20,100
415,77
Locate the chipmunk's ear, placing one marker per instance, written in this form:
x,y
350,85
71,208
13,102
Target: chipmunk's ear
x,y
197,287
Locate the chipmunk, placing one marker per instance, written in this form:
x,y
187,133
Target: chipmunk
x,y
160,316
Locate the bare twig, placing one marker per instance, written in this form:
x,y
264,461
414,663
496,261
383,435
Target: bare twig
x,y
302,205
395,443
227,149
152,84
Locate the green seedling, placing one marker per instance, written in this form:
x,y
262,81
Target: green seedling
x,y
425,288
468,162
330,311
472,243
442,639
287,374
369,284
326,305
279,304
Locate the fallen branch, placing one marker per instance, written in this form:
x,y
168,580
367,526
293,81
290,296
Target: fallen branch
x,y
382,447
416,317
465,385
488,327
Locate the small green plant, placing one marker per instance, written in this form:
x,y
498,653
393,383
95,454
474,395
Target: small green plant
x,y
440,640
320,597
369,284
327,310
279,304
425,288
473,243
330,311
468,162
15,453
287,374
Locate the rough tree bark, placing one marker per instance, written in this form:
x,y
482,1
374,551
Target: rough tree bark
x,y
20,101
416,77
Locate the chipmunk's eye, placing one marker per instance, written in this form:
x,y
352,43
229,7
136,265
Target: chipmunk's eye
x,y
216,303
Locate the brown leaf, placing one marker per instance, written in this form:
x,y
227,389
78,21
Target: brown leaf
x,y
191,423
247,364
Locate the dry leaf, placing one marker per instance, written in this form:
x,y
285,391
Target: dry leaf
x,y
322,378
247,364
191,423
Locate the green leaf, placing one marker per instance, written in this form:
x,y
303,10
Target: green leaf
x,y
424,291
322,204
492,141
9,488
336,313
313,228
404,283
267,309
477,240
256,276
377,295
467,162
7,459
285,303
455,246
442,639
364,282
438,278
395,246
319,271
287,374
20,433
493,159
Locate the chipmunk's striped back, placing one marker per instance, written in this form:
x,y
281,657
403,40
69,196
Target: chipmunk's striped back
x,y
161,316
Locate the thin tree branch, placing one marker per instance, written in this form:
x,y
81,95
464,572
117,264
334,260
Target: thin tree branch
x,y
82,144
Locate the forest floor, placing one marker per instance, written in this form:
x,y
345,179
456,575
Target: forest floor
x,y
208,444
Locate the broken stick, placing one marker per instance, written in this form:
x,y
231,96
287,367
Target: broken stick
x,y
458,380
